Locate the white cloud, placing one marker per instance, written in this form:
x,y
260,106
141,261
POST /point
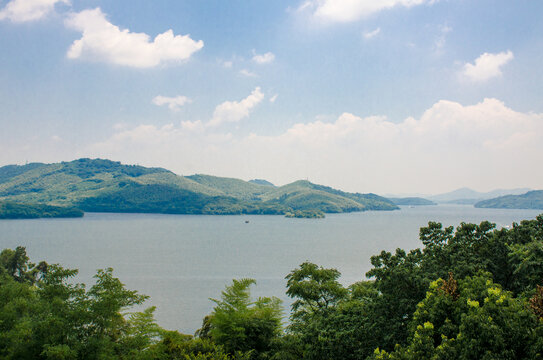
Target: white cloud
x,y
227,64
105,42
371,34
174,103
273,98
485,146
29,10
264,58
487,66
247,73
352,10
234,111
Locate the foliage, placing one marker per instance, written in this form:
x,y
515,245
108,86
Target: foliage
x,y
242,325
12,210
307,214
474,292
482,322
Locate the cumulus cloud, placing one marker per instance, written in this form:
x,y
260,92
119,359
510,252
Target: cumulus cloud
x,y
102,41
487,66
234,111
371,34
352,10
263,58
174,103
486,145
29,10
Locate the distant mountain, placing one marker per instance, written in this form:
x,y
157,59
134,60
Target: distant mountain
x,y
530,200
261,182
469,196
109,186
412,201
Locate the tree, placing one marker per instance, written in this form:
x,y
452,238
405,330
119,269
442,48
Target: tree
x,y
472,318
240,324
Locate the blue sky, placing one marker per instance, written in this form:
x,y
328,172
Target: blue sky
x,y
384,96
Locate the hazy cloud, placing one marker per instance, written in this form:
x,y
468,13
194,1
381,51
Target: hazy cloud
x,y
29,10
105,42
371,34
234,111
247,73
486,145
487,66
174,103
264,58
352,10
273,98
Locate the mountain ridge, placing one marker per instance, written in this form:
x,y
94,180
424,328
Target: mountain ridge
x,y
109,186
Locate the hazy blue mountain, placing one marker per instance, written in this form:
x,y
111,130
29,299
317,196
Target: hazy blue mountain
x,y
109,186
412,201
529,200
469,196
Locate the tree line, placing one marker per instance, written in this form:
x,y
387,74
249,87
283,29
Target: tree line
x,y
470,292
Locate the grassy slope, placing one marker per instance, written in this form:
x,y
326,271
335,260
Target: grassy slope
x,y
231,187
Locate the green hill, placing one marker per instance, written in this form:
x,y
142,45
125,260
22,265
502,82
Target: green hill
x,y
304,195
530,200
98,185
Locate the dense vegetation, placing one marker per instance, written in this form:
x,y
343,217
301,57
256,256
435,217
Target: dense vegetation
x,y
12,210
307,214
473,292
108,186
530,200
412,201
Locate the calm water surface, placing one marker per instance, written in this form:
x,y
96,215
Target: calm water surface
x,y
182,260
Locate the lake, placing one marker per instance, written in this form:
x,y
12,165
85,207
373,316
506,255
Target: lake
x,y
183,260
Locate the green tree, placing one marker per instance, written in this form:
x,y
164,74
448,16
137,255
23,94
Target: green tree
x,y
475,319
240,324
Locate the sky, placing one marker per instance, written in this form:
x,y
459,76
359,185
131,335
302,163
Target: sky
x,y
389,96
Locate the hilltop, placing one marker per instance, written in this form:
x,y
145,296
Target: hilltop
x,y
99,185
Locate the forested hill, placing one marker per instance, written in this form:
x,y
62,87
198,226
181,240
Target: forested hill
x,y
109,186
530,200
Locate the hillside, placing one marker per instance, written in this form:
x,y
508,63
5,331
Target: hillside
x,y
467,196
530,200
412,201
304,195
99,185
12,210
